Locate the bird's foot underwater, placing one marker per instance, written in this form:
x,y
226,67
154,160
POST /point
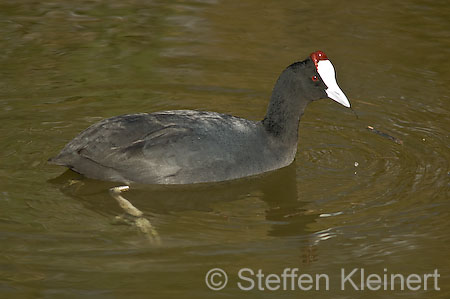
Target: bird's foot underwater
x,y
133,216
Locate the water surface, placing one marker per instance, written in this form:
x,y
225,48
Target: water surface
x,y
352,199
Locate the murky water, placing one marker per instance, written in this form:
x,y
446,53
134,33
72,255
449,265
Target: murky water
x,y
352,199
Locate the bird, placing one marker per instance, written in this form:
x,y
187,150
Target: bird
x,y
192,146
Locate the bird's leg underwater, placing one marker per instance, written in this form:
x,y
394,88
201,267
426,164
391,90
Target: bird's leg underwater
x,y
137,215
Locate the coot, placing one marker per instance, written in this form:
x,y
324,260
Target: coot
x,y
189,146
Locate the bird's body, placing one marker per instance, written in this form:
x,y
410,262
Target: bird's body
x,y
188,146
151,147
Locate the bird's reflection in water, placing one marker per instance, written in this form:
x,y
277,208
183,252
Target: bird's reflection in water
x,y
285,210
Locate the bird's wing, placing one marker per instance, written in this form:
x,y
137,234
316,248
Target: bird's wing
x,y
159,146
118,141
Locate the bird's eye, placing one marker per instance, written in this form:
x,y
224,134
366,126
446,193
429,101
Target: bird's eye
x,y
314,78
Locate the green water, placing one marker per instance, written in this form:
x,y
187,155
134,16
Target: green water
x,y
65,65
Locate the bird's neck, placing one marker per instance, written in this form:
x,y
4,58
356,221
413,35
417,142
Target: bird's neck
x,y
287,105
